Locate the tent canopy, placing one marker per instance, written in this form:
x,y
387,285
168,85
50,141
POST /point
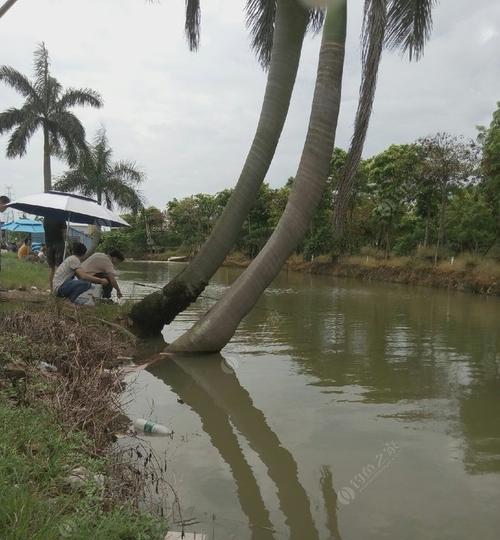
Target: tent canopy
x,y
23,225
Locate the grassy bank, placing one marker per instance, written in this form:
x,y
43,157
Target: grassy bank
x,y
61,476
16,274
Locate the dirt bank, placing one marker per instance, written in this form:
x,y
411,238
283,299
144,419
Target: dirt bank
x,y
459,275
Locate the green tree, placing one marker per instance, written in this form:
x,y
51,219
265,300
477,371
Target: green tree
x,y
277,28
96,175
489,138
398,24
392,176
470,221
46,106
449,162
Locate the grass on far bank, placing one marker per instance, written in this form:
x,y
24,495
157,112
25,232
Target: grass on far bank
x,y
15,274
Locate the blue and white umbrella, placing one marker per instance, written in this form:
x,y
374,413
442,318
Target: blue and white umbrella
x,y
68,207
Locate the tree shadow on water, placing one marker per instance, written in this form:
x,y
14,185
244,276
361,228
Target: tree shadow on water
x,y
210,387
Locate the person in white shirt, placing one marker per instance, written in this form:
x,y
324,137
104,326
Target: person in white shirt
x,y
103,265
70,280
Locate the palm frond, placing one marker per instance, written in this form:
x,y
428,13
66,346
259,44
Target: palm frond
x,y
124,196
127,172
80,96
66,128
260,17
13,117
192,24
41,63
372,40
18,82
52,90
72,181
65,122
19,139
316,19
409,24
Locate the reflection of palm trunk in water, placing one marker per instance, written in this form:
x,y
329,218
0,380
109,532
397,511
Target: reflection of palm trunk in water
x,y
207,378
330,500
216,424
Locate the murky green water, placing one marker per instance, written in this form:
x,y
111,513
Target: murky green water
x,y
341,409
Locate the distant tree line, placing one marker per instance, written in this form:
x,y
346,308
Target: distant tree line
x,y
440,194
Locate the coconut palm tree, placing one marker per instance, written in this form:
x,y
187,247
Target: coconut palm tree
x,y
213,331
398,24
46,107
277,28
95,175
216,328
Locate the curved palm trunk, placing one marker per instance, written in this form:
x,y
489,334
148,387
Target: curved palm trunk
x,y
371,61
6,6
47,174
160,308
217,327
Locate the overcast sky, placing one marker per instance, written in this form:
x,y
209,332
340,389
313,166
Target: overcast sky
x,y
187,119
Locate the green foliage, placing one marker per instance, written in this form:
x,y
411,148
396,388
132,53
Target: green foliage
x,y
17,274
46,107
36,456
95,175
471,224
489,138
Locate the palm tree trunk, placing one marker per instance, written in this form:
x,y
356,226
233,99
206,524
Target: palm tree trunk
x,y
371,60
160,308
47,175
216,328
6,6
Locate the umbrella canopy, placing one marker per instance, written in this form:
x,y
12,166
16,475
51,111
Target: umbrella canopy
x,y
68,207
23,225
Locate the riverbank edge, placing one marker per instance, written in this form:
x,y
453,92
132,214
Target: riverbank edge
x,y
48,398
407,271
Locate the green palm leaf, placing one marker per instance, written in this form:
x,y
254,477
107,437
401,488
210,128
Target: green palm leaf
x,y
80,96
20,137
96,176
18,82
409,25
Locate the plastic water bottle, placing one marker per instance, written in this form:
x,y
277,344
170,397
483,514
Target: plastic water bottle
x,y
146,426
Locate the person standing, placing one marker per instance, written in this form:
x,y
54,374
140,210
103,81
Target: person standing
x,y
55,237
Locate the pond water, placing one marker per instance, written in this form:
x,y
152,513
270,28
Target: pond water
x,y
340,410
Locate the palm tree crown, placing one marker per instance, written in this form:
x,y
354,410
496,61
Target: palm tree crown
x,y
95,175
46,106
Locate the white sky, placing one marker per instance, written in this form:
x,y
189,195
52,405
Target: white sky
x,y
187,119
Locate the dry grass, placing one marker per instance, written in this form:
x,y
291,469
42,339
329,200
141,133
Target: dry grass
x,y
84,392
372,262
